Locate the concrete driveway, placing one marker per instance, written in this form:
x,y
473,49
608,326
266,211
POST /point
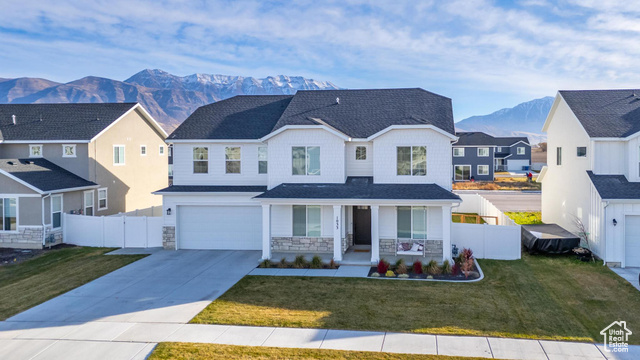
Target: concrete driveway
x,y
170,287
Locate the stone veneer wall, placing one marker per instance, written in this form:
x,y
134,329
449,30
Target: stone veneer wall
x,y
169,237
57,236
433,248
347,242
302,244
27,237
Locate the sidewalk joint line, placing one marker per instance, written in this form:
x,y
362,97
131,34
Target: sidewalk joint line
x,y
490,349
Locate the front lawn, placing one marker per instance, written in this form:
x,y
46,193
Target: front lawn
x,y
55,272
526,217
184,351
535,297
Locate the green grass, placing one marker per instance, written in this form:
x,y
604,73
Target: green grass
x,y
535,297
55,272
190,351
457,218
526,218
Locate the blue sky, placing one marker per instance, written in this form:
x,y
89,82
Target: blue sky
x,y
483,54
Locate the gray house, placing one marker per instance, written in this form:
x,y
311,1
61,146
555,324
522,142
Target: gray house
x,y
478,155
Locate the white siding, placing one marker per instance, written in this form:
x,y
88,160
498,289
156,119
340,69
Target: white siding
x,y
359,167
388,222
183,165
596,223
332,165
632,171
438,156
609,157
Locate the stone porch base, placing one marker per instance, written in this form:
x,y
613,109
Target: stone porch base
x,y
302,244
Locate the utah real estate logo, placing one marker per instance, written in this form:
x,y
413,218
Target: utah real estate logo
x,y
616,337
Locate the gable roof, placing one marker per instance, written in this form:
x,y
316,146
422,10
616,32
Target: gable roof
x,y
606,113
472,138
42,175
50,122
359,113
615,187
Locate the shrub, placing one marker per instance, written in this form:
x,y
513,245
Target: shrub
x,y
446,267
433,268
403,276
332,264
390,273
375,274
383,266
455,270
466,261
283,263
316,262
417,267
402,269
299,262
266,263
400,262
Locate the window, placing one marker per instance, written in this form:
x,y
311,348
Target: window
x,y
462,172
170,150
262,160
232,160
307,220
88,203
56,211
499,149
170,169
521,150
483,152
458,152
582,151
143,150
412,160
35,151
161,150
361,153
68,150
102,199
483,169
412,222
305,160
118,154
8,214
200,160
558,156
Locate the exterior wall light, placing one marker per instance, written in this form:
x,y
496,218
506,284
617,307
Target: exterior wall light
x,y
169,211
615,222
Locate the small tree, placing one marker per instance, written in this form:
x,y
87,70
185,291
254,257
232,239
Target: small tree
x,y
583,233
543,146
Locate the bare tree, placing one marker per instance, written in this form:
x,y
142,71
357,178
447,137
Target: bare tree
x,y
543,146
585,239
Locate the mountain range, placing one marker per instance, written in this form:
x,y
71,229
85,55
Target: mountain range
x,y
170,98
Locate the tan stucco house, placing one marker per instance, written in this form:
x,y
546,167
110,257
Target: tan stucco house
x,y
90,159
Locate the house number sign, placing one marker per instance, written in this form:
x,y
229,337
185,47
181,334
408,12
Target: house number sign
x,y
337,223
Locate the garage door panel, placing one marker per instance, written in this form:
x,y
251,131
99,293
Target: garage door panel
x,y
220,227
632,240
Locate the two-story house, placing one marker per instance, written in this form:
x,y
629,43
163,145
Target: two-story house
x,y
593,171
478,155
91,159
316,172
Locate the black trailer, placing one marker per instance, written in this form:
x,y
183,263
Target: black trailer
x,y
548,239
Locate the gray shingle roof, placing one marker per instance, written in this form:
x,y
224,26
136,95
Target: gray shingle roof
x,y
43,174
58,121
606,113
212,188
360,113
611,187
359,188
239,117
473,138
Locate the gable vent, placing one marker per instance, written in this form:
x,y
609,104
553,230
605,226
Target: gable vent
x,y
13,118
337,100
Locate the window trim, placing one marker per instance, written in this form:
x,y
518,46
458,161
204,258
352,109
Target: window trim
x,y
462,165
17,230
106,199
307,160
227,160
193,167
306,221
411,159
478,169
362,147
54,212
499,149
458,148
124,151
161,151
143,147
488,152
524,151
578,151
426,222
559,156
266,150
31,146
84,203
75,154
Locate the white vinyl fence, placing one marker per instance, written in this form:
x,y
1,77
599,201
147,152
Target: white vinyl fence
x,y
110,231
150,211
488,241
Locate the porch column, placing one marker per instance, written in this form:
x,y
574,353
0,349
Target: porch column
x,y
375,234
266,231
337,233
446,232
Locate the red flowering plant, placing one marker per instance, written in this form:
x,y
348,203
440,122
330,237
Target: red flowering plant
x,y
417,267
383,266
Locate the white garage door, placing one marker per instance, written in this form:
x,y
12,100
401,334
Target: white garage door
x,y
632,240
220,227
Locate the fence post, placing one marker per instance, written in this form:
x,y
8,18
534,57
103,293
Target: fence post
x,y
64,226
124,231
103,228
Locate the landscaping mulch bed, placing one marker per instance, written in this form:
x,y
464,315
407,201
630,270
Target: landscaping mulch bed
x,y
472,275
289,266
9,256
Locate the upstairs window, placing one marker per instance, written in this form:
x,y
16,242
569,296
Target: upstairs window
x,y
68,150
581,151
458,152
483,152
161,150
307,220
412,160
143,150
200,160
499,149
262,160
35,151
558,156
361,153
522,151
8,214
118,155
305,160
232,160
56,211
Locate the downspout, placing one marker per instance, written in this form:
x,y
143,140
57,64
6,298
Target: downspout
x,y
44,227
604,209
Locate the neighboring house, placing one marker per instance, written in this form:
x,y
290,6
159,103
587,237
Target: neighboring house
x,y
170,158
316,172
480,155
91,159
593,170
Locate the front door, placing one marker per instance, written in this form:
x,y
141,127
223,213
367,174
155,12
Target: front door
x,y
362,225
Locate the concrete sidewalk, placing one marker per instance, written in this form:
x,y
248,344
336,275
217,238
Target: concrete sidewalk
x,y
631,274
122,340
